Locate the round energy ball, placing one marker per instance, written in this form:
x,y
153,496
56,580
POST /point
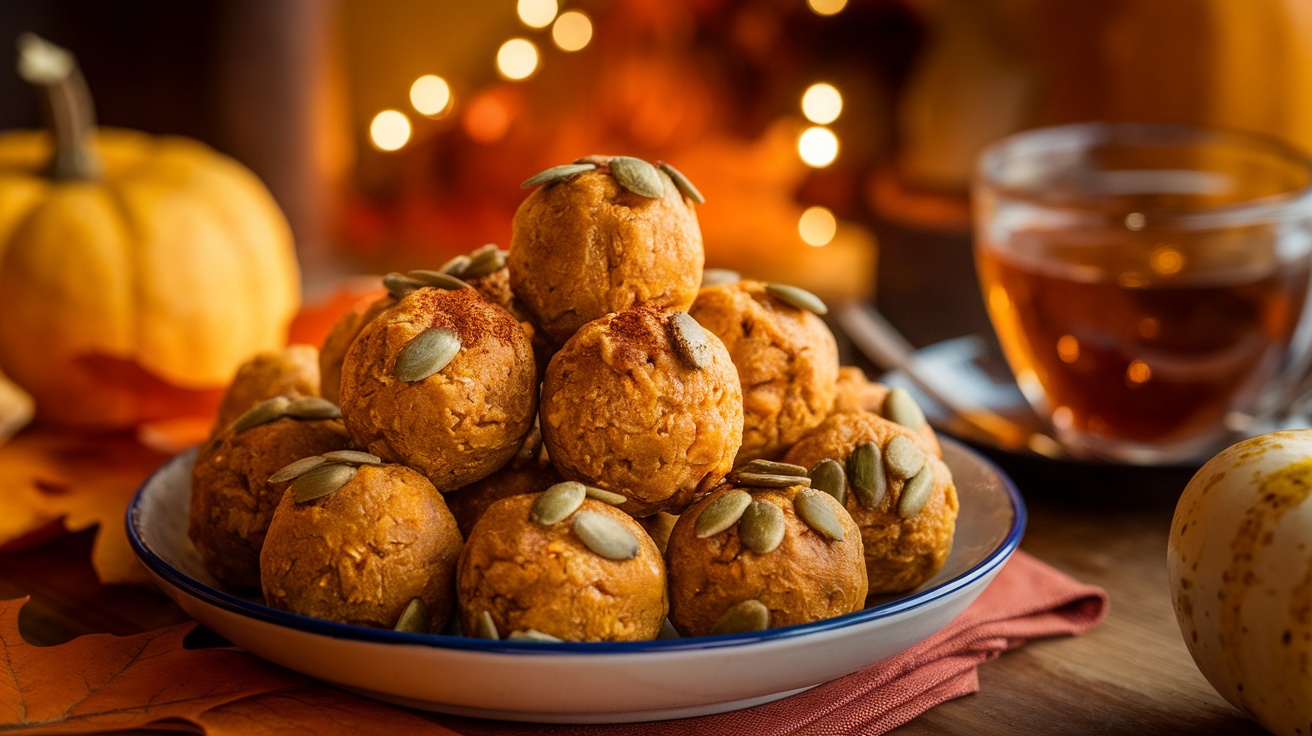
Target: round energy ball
x,y
586,246
787,361
744,559
361,553
340,337
292,372
584,571
860,394
898,491
232,500
625,408
443,382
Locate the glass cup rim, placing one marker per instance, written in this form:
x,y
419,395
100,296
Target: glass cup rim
x,y
1296,202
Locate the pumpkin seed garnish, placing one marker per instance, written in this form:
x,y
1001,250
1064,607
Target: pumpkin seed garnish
x,y
916,493
398,284
313,407
749,615
903,457
637,176
533,635
798,297
770,467
762,527
901,408
555,174
297,469
262,413
321,481
485,627
828,476
456,266
605,496
437,280
414,618
605,536
557,502
354,457
429,352
718,276
866,468
721,513
769,480
685,186
484,262
690,340
813,509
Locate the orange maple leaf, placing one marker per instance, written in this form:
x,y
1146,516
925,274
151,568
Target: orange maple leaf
x,y
100,682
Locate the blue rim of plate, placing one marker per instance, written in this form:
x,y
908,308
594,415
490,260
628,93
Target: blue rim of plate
x,y
260,612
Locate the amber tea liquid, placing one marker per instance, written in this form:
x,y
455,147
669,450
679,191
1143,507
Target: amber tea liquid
x,y
1137,340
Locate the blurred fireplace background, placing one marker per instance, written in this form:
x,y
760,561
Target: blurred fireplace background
x,y
871,201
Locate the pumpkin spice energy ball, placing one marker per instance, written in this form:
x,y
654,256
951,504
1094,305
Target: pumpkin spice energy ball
x,y
232,499
860,394
292,372
601,235
786,356
751,558
560,564
900,494
646,404
444,382
356,541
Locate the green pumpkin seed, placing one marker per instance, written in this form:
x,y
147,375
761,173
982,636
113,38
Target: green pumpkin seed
x,y
555,174
605,536
637,176
354,457
828,476
719,276
296,469
770,467
690,340
321,481
399,285
749,615
456,266
313,407
916,493
262,413
813,508
866,467
414,618
903,457
429,352
438,280
721,513
533,635
485,627
768,480
762,527
797,297
605,496
901,408
684,185
484,262
557,502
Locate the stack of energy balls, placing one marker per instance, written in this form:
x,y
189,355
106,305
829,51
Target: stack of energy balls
x,y
574,440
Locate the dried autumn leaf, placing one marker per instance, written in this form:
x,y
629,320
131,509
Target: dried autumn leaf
x,y
100,683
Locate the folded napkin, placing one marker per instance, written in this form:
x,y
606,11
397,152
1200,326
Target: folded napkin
x,y
1028,600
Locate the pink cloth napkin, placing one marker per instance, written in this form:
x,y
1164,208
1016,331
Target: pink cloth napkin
x,y
1028,600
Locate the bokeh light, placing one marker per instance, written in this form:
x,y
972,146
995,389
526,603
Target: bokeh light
x,y
431,95
826,7
572,31
390,130
517,59
817,226
537,13
822,103
817,146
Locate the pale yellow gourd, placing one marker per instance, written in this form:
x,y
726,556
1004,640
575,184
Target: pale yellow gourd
x,y
136,272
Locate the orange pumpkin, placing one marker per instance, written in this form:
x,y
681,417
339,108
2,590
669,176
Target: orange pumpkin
x,y
136,272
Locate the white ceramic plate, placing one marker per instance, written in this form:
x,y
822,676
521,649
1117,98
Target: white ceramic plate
x,y
579,682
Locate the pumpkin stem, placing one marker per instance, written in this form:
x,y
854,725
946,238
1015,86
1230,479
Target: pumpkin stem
x,y
67,102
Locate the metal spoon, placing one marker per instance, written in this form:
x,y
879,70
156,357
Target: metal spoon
x,y
879,341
